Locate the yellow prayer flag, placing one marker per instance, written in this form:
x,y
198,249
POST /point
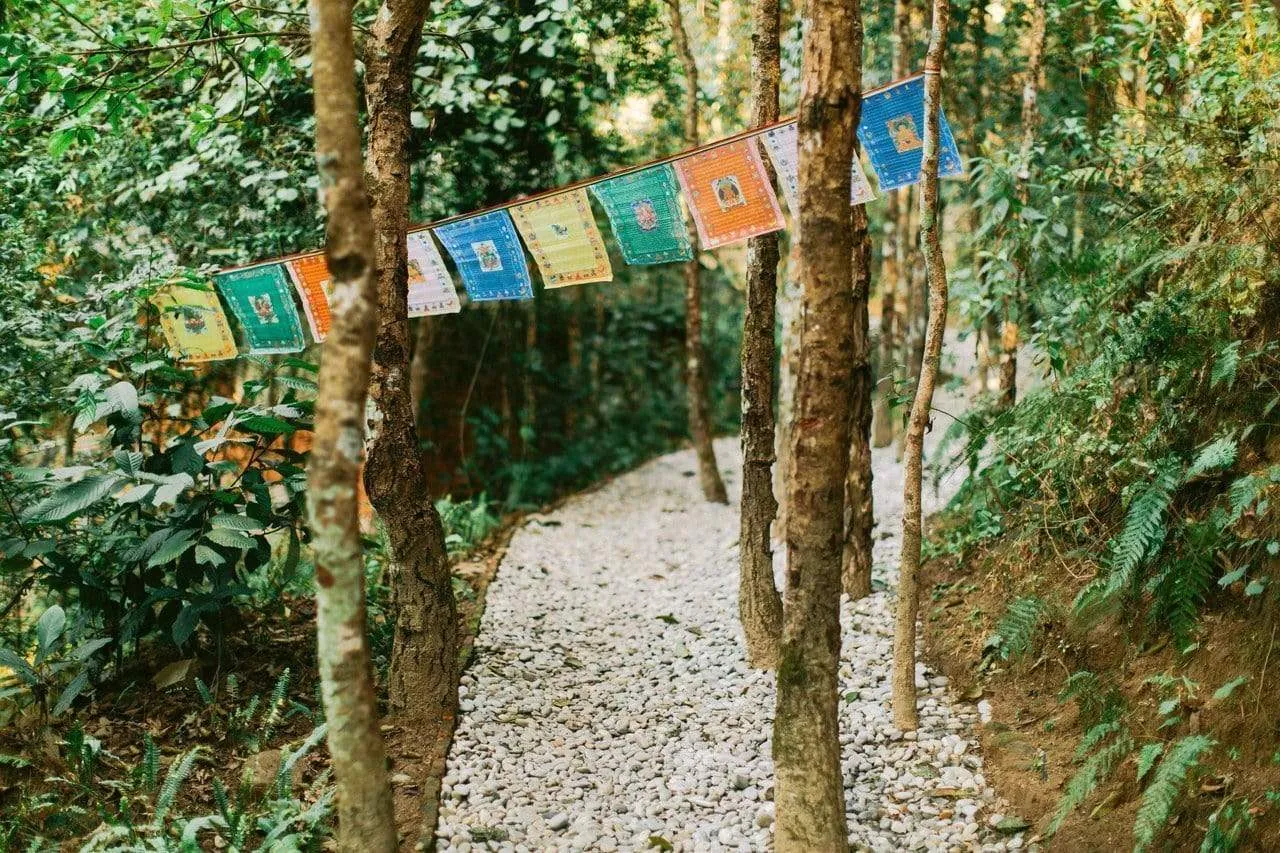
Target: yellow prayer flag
x,y
562,236
194,324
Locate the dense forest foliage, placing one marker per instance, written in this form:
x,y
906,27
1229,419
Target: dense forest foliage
x,y
1107,566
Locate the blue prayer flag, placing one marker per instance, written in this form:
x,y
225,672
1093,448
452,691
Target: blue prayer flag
x,y
489,256
892,133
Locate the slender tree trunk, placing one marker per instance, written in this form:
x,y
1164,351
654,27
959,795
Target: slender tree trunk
x,y
424,649
695,366
759,604
356,749
529,389
573,343
893,253
904,645
859,516
1030,121
883,419
806,738
419,371
788,306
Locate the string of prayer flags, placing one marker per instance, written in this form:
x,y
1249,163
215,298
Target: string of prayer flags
x,y
729,194
194,324
259,299
431,288
782,144
644,210
489,257
892,132
561,234
310,275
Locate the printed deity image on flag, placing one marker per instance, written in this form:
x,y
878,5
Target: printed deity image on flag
x,y
892,132
560,232
488,255
261,302
311,278
782,146
431,289
729,194
644,209
194,324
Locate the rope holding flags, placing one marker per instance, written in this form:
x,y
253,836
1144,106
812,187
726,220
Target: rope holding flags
x,y
724,185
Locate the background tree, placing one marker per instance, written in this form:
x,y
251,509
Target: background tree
x,y
904,640
355,741
695,368
424,652
759,603
806,744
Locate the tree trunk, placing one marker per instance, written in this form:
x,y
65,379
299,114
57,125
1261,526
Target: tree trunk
x,y
904,645
1030,121
859,516
423,652
759,604
419,371
892,253
788,307
695,366
806,743
356,749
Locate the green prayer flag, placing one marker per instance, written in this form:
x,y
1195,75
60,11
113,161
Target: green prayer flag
x,y
261,300
644,210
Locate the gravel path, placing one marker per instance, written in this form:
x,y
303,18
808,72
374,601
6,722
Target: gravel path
x,y
610,704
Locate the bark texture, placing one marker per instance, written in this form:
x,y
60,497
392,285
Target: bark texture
x,y
358,755
695,365
904,647
423,654
759,604
1030,122
809,793
859,516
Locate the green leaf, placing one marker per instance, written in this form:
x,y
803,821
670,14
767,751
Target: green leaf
x,y
19,665
187,622
230,538
74,499
237,522
264,425
74,689
1225,691
49,629
1147,758
206,556
172,549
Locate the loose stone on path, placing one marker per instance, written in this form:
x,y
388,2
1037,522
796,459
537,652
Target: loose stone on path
x,y
610,706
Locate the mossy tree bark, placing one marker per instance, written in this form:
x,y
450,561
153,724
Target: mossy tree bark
x,y
1012,302
806,743
759,604
695,367
904,646
424,650
358,755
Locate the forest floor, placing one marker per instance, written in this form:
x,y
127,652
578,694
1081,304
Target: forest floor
x,y
609,704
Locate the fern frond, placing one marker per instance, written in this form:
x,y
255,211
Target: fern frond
x,y
1213,456
1167,784
1019,625
178,773
1147,758
150,763
1094,736
284,778
271,714
1091,774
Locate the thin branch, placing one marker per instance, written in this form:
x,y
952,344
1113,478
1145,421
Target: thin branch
x,y
282,34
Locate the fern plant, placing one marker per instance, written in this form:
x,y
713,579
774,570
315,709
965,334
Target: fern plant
x,y
1114,743
1017,628
1166,786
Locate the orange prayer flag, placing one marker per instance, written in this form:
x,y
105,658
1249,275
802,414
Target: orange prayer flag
x,y
729,194
311,278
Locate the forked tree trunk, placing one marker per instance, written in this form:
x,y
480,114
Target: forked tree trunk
x,y
759,605
859,516
695,368
1030,121
904,641
357,753
423,653
892,253
809,793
